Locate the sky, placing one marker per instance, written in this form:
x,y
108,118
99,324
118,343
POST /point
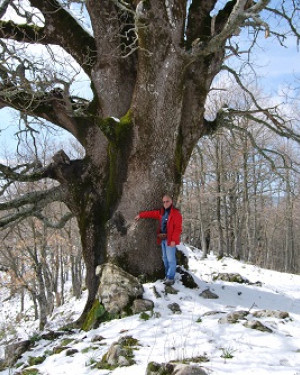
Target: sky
x,y
277,66
196,331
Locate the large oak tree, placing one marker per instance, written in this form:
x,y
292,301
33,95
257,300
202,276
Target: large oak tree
x,y
151,64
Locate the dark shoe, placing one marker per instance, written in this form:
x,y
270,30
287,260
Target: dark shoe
x,y
169,282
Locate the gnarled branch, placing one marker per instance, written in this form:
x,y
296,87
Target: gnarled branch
x,y
29,204
54,106
60,29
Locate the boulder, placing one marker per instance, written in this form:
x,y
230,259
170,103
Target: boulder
x,y
118,289
141,305
234,317
170,290
231,277
186,278
208,294
271,314
181,369
182,259
155,368
120,354
255,324
174,307
14,351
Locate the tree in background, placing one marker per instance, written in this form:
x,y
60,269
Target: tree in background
x,y
244,200
150,65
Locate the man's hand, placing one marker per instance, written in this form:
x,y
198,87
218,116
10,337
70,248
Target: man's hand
x,y
137,217
172,243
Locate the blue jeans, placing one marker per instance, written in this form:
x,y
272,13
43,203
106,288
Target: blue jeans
x,y
169,259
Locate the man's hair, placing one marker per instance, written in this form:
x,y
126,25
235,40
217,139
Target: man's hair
x,y
167,195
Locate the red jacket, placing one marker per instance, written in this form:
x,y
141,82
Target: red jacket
x,y
174,223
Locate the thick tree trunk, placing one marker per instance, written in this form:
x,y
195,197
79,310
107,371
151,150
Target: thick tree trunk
x,y
140,152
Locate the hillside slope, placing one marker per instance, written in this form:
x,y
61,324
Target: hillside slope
x,y
184,326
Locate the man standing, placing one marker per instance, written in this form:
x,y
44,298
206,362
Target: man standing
x,y
168,234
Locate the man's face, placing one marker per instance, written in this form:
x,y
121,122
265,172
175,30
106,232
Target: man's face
x,y
167,202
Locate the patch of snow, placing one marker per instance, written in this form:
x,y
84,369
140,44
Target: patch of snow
x,y
167,336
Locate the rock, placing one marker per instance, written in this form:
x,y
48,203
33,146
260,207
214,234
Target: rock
x,y
208,294
170,290
29,371
58,349
182,259
174,307
33,361
70,352
156,293
123,362
117,288
186,278
271,314
3,364
119,354
140,305
255,324
113,354
14,351
181,369
52,335
97,338
231,277
233,317
155,368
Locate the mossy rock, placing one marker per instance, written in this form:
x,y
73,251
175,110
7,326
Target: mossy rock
x,y
66,342
199,359
29,371
171,368
59,349
88,349
155,368
144,316
231,277
120,354
96,316
128,341
71,352
33,361
52,335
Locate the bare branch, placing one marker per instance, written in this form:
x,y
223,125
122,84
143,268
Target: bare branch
x,y
3,7
29,204
34,198
54,106
289,19
73,38
272,121
11,174
22,33
58,225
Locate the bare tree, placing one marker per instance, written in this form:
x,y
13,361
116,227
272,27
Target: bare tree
x,y
150,65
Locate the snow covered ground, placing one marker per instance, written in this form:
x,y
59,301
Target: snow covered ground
x,y
168,336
